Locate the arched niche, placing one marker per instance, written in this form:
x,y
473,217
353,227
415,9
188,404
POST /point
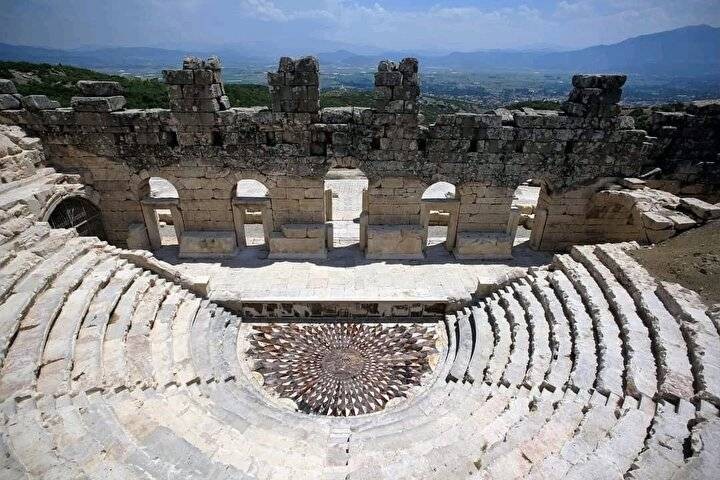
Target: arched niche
x,y
251,205
439,214
160,203
78,212
524,204
345,198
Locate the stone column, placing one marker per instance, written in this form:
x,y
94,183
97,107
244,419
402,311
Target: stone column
x,y
452,225
363,221
238,212
153,232
178,221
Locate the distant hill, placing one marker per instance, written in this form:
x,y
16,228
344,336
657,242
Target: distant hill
x,y
119,58
689,51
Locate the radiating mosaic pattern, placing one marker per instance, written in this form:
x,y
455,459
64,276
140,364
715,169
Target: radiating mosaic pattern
x,y
341,369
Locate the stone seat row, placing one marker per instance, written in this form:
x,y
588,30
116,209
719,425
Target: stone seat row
x,y
587,305
619,377
117,345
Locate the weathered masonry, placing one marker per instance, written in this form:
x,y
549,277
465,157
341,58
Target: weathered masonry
x,y
204,148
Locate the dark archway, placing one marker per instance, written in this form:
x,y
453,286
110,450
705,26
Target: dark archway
x,y
79,213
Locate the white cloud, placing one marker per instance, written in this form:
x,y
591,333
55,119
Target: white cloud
x,y
263,10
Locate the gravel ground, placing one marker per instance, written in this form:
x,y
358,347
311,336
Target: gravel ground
x,y
691,259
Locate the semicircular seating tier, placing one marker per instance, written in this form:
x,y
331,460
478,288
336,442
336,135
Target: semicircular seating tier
x,y
588,366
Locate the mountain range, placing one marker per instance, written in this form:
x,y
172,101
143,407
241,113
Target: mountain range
x,y
689,51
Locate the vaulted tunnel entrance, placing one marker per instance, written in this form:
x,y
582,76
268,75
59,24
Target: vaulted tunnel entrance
x,y
79,213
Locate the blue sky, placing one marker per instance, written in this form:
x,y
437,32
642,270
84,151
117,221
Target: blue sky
x,y
323,25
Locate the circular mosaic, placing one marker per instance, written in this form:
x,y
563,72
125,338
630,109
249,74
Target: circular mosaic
x,y
341,369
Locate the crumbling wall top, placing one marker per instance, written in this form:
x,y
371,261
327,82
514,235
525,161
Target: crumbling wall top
x,y
295,87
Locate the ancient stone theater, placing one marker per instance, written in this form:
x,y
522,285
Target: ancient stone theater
x,y
299,292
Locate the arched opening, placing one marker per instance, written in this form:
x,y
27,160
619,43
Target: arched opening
x,y
525,200
161,209
78,213
439,214
252,214
345,202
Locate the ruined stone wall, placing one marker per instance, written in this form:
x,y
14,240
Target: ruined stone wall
x,y
614,210
203,148
565,219
687,152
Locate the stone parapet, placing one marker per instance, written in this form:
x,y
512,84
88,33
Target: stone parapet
x,y
595,96
295,87
299,241
198,87
397,86
207,244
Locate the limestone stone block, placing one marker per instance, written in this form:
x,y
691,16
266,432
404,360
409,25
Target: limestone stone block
x,y
97,104
595,95
633,183
316,230
39,102
99,88
295,230
682,221
137,238
388,79
657,236
483,245
656,221
702,210
192,63
606,82
8,147
178,77
395,241
212,243
296,248
7,86
8,102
